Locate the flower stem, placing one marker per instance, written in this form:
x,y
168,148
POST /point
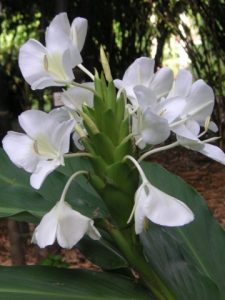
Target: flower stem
x,y
86,71
134,256
78,154
158,150
69,182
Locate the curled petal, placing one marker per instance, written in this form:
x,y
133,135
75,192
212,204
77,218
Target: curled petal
x,y
166,210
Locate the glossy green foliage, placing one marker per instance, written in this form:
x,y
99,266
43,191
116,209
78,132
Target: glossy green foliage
x,y
190,258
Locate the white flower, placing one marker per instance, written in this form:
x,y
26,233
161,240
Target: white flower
x,y
41,149
159,207
53,65
141,72
151,123
199,102
65,225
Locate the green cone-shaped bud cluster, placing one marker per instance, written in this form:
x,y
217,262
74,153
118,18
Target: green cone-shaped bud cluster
x,y
108,128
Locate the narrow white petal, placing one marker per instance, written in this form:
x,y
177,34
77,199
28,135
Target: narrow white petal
x,y
42,170
166,210
79,32
20,149
92,232
45,232
214,153
162,82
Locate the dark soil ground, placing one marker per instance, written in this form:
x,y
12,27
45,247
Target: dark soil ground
x,y
206,176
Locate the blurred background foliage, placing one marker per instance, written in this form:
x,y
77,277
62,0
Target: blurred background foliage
x,y
179,34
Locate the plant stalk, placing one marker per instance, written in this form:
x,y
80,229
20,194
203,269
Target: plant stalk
x,y
137,261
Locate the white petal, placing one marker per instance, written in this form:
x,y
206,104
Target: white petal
x,y
35,122
92,232
72,226
213,127
139,72
166,210
60,137
162,82
193,126
200,102
20,149
57,34
61,114
79,32
118,83
155,130
71,58
171,108
183,132
45,232
182,85
214,153
75,97
42,170
145,97
31,63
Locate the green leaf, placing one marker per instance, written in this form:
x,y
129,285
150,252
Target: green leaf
x,y
46,283
191,258
19,200
102,253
